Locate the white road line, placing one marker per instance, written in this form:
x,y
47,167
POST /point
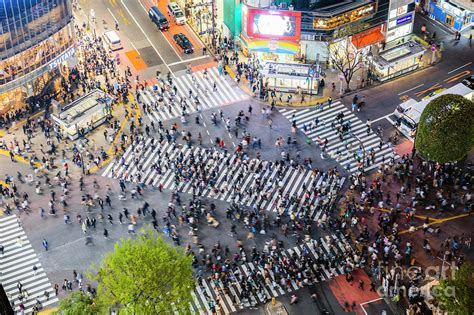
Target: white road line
x,y
188,60
411,89
110,11
161,34
144,33
380,118
467,64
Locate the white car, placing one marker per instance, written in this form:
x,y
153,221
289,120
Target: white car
x,y
176,13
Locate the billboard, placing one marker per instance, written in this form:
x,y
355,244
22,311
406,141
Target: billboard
x,y
271,24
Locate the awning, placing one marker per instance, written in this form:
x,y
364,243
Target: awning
x,y
367,38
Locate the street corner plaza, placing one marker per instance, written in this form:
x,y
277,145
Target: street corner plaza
x,y
342,135
268,185
200,90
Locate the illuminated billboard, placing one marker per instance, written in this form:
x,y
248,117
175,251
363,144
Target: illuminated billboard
x,y
283,25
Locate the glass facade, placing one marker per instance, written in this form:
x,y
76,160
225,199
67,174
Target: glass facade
x,y
24,23
33,33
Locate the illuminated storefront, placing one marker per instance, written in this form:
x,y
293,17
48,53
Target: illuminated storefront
x,y
36,37
457,15
291,77
344,18
271,35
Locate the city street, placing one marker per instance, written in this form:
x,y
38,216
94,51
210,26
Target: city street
x,y
309,208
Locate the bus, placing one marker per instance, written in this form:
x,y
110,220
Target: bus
x,y
409,112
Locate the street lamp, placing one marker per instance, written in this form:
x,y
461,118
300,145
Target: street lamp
x,y
369,70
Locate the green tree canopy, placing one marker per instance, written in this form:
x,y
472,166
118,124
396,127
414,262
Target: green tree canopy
x,y
456,295
145,275
77,303
446,129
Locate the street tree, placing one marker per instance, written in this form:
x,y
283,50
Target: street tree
x,y
77,303
343,53
456,295
145,275
445,132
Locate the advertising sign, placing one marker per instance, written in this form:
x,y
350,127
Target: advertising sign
x,y
404,19
282,25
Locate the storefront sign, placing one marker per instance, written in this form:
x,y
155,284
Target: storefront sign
x,y
404,19
65,56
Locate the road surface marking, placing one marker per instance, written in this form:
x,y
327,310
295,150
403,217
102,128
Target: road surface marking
x,y
404,98
434,87
380,118
146,11
148,38
457,76
467,64
113,16
411,89
187,60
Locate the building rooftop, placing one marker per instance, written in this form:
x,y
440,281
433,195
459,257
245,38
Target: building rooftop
x,y
465,4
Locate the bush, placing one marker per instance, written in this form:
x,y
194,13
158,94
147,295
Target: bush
x,y
446,129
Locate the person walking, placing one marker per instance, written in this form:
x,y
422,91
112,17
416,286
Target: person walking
x,y
45,244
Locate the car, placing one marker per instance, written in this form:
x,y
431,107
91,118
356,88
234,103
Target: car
x,y
184,43
175,12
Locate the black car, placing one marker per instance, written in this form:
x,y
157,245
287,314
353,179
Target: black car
x,y
184,43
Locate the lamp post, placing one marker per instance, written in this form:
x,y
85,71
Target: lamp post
x,y
369,70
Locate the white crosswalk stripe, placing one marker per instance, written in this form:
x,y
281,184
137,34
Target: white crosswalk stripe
x,y
253,182
16,265
345,151
172,106
323,259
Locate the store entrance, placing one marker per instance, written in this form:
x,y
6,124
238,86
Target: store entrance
x,y
450,20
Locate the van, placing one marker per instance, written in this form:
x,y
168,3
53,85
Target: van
x,y
158,18
176,13
112,40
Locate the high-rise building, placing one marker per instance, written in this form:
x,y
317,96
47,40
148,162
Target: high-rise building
x,y
36,37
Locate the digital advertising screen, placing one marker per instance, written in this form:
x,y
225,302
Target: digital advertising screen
x,y
283,25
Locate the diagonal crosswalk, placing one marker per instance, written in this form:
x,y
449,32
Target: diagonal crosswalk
x,y
253,283
270,186
164,104
348,151
16,265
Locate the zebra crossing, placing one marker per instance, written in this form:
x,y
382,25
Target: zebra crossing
x,y
231,181
346,152
167,105
227,297
16,266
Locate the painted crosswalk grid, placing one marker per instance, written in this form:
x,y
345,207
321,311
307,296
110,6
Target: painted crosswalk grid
x,y
248,183
353,147
20,267
211,89
251,283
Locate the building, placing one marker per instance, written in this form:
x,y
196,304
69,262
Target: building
x,y
457,15
286,31
36,38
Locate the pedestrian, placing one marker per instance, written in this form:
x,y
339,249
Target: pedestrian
x,y
270,122
361,284
2,249
106,234
294,299
35,270
45,244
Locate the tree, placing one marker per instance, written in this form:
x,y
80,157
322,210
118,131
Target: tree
x,y
145,275
77,303
456,295
343,55
445,132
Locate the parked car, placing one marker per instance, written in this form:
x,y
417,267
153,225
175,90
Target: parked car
x,y
184,43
